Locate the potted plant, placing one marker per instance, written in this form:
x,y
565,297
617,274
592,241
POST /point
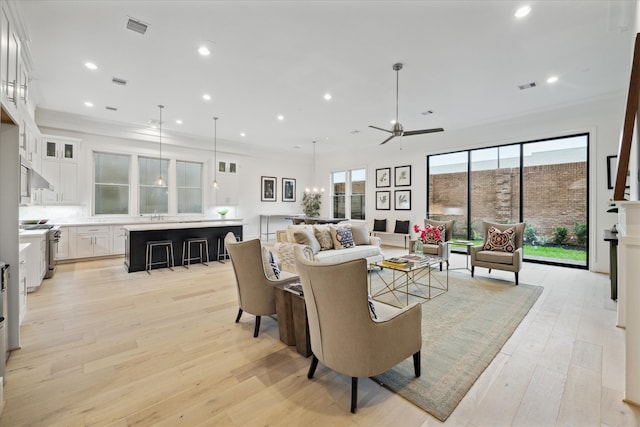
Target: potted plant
x,y
311,204
223,213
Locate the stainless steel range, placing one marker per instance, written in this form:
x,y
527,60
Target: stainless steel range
x,y
53,237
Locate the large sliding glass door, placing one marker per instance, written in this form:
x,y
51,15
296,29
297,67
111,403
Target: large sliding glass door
x,y
541,183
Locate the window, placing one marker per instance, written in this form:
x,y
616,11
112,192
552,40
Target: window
x,y
154,199
542,183
111,180
348,194
189,186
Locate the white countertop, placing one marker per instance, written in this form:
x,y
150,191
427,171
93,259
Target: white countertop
x,y
76,222
27,233
181,225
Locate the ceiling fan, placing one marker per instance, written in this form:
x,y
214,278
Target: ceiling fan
x,y
397,129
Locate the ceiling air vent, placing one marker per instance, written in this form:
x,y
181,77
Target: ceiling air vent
x,y
154,122
119,81
137,26
111,108
527,86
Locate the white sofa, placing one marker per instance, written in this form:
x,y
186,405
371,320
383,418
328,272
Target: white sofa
x,y
320,250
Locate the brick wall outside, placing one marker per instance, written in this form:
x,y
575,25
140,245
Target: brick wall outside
x,y
554,195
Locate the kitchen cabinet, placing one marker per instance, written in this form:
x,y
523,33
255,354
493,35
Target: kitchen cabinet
x,y
91,241
60,168
56,148
62,248
22,280
118,239
35,258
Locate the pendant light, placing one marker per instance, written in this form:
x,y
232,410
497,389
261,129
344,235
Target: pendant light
x,y
215,153
160,182
313,173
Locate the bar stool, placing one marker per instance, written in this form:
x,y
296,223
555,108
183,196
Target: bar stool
x,y
222,249
167,245
203,246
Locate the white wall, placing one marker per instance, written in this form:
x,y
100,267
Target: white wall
x,y
601,118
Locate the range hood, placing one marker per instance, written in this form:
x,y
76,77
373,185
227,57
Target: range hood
x,y
34,179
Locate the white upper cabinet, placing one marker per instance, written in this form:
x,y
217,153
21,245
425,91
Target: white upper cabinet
x,y
60,168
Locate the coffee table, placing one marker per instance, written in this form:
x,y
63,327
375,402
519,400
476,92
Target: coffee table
x,y
414,280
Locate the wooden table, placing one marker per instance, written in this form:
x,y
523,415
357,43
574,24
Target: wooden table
x,y
293,325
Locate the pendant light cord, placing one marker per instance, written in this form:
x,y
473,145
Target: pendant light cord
x,y
160,127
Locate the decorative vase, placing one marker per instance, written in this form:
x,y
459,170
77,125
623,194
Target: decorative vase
x,y
418,249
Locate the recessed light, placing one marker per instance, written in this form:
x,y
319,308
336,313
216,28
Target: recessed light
x,y
522,12
204,51
327,96
178,121
243,134
88,104
552,79
280,117
206,97
91,66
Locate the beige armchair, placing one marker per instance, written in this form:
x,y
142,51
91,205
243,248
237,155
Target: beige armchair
x,y
443,249
343,333
255,290
500,260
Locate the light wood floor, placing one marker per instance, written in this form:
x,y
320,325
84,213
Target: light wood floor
x,y
103,347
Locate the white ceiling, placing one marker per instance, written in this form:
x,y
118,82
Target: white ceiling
x,y
462,59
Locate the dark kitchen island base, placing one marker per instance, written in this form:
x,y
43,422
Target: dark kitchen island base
x,y
137,237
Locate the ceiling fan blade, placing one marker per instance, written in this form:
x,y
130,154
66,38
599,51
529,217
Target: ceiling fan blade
x,y
387,140
384,130
418,132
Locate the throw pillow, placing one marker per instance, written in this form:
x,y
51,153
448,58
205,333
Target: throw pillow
x,y
306,237
372,307
342,237
322,233
379,225
271,269
360,234
402,227
430,237
502,241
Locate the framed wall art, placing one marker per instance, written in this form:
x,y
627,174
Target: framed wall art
x,y
383,200
288,190
383,177
402,200
268,189
402,176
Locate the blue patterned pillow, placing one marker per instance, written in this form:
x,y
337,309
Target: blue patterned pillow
x,y
342,237
274,265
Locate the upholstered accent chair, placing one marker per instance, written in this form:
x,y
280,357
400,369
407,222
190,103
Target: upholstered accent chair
x,y
255,290
343,332
442,249
499,254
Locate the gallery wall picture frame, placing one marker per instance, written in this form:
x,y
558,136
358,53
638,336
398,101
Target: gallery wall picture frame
x,y
268,188
383,177
612,167
383,200
402,175
222,167
233,167
402,200
288,190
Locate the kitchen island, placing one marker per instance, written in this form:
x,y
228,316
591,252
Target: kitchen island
x,y
137,236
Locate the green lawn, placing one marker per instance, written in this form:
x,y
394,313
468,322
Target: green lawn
x,y
553,252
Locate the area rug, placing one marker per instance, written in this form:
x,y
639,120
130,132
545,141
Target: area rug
x,y
462,331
